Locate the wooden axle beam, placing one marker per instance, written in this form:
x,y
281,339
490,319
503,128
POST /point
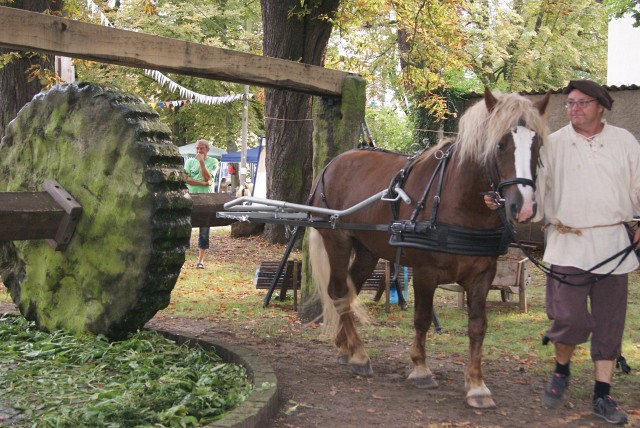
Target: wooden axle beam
x,y
53,214
206,207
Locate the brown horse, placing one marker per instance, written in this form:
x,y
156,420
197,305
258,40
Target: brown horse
x,y
445,232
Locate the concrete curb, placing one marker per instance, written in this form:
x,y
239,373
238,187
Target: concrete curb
x,y
262,405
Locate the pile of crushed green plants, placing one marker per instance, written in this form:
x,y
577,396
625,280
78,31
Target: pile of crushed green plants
x,y
61,380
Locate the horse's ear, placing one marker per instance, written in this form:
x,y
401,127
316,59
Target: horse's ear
x,y
542,103
489,100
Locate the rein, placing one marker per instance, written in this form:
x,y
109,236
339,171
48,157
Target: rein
x,y
623,254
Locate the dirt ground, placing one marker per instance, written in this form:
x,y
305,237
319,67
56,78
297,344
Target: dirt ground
x,y
317,392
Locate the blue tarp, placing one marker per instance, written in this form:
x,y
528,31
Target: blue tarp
x,y
253,155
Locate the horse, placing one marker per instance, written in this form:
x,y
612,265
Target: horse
x,y
443,229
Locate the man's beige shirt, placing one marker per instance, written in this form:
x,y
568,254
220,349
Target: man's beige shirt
x,y
593,186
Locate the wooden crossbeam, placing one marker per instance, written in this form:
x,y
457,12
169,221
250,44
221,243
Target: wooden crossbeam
x,y
23,30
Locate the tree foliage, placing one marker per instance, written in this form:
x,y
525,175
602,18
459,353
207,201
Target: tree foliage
x,y
620,8
535,45
428,54
406,50
233,24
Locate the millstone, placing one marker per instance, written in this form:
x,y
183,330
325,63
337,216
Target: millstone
x,y
110,151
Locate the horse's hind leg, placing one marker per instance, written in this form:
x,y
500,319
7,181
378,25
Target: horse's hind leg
x,y
424,289
362,264
341,294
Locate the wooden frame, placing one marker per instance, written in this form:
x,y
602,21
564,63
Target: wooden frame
x,y
23,30
512,277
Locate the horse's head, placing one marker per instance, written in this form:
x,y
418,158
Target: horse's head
x,y
506,132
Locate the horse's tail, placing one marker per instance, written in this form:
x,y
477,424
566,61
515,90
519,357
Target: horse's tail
x,y
321,272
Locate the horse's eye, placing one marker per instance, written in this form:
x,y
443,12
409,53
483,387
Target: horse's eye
x,y
500,147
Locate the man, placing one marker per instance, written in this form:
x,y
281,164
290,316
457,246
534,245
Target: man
x,y
200,171
588,186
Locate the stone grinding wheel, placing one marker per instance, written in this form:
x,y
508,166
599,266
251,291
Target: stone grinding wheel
x,y
110,151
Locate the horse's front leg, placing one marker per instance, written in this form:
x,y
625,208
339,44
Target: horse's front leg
x,y
421,375
478,395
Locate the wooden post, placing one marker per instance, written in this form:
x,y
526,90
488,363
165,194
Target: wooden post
x,y
387,286
337,127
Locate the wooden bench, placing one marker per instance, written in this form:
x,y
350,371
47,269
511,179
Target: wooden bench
x,y
288,279
512,277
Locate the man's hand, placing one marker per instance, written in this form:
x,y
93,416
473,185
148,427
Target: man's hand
x,y
199,157
491,203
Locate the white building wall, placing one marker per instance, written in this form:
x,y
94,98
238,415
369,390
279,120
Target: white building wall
x,y
623,65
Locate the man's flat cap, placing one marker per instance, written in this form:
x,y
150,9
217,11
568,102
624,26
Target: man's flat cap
x,y
592,89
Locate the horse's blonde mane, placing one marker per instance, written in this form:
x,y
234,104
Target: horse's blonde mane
x,y
480,130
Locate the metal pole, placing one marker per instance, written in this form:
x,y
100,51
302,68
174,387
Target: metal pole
x,y
245,120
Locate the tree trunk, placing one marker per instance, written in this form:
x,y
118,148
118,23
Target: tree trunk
x,y
289,126
15,88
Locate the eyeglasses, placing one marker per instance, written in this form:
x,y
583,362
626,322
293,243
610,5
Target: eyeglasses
x,y
579,103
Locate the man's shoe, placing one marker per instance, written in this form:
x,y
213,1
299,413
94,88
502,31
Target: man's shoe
x,y
609,410
553,392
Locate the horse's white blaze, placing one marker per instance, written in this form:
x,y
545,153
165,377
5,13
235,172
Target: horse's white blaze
x,y
523,140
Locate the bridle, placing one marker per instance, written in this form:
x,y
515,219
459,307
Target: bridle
x,y
496,193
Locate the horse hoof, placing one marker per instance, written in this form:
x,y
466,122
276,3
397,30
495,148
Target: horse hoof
x,y
363,370
481,402
427,382
343,359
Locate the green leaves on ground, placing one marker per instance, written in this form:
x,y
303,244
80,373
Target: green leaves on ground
x,y
55,379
